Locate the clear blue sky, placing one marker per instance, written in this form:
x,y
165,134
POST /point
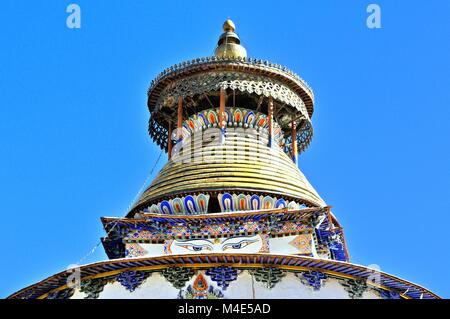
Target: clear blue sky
x,y
73,120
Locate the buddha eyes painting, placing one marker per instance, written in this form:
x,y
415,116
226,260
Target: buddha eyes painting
x,y
247,244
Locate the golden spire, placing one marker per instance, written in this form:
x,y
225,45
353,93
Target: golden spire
x,y
229,44
228,26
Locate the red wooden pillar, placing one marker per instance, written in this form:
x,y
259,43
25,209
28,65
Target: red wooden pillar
x,y
270,119
180,118
222,121
294,142
169,141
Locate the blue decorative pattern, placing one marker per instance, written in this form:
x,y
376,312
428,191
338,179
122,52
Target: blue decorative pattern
x,y
314,278
189,203
281,203
165,208
336,246
62,294
226,202
223,275
132,279
255,202
337,251
332,238
385,294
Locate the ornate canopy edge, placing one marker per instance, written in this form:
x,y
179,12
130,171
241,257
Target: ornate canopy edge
x,y
248,65
214,81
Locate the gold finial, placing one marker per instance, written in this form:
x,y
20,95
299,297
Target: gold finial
x,y
228,26
229,44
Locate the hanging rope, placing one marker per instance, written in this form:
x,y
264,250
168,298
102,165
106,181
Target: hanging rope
x,y
127,210
144,184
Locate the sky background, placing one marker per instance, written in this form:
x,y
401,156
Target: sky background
x,y
73,120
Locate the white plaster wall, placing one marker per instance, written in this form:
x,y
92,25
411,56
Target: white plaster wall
x,y
291,287
370,294
155,287
153,249
240,288
280,245
78,294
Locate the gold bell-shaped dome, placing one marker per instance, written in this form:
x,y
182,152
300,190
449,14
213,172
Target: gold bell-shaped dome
x,y
229,44
273,172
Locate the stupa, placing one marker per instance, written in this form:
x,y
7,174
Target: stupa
x,y
230,215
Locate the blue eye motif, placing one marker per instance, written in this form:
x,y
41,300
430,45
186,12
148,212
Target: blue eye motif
x,y
193,247
239,245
